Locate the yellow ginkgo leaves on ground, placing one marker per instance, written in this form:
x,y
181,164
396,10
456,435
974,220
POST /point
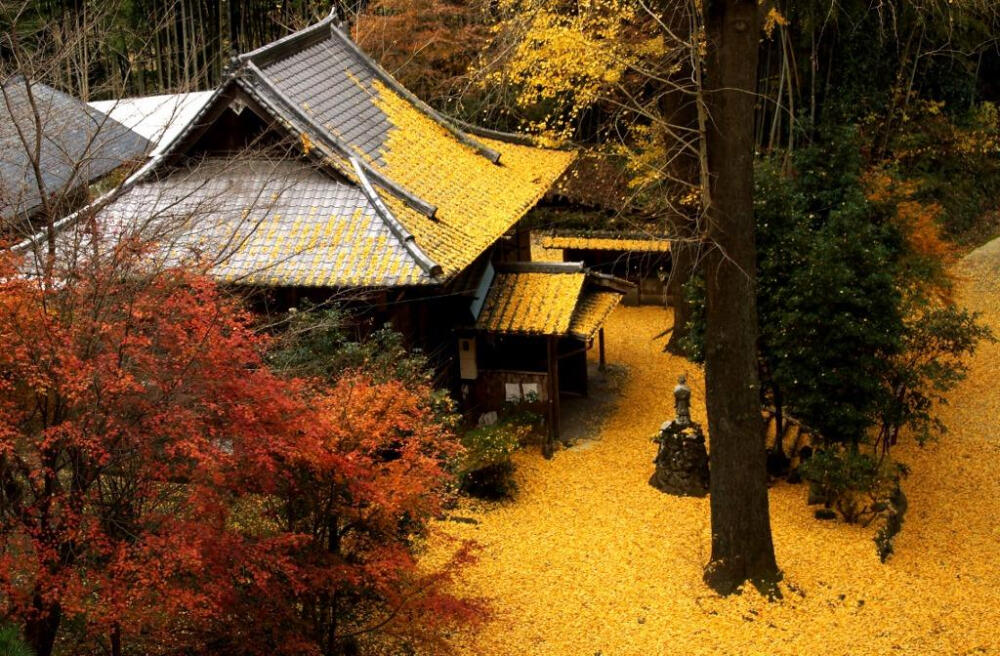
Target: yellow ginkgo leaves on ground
x,y
590,559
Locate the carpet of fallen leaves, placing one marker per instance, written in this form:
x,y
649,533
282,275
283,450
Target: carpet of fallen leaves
x,y
589,559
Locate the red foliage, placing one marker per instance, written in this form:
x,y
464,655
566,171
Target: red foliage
x,y
164,488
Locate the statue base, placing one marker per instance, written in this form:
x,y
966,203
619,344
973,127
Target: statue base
x,y
681,461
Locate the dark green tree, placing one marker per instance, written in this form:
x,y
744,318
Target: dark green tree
x,y
830,308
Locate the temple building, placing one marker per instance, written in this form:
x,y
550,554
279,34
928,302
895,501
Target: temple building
x,y
311,173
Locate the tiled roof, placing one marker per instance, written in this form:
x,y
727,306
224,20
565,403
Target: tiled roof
x,y
267,223
442,194
549,299
157,118
591,312
369,115
531,303
633,243
327,83
79,145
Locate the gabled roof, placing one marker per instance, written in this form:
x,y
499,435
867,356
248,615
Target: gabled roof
x,y
157,118
455,192
549,298
442,194
79,144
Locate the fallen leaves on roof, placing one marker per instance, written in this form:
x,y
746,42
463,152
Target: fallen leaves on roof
x,y
477,201
267,223
636,245
532,303
591,312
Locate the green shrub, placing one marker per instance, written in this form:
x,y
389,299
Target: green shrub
x,y
486,470
859,486
11,642
318,342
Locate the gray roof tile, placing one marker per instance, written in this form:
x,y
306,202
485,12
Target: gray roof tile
x,y
79,145
265,223
328,81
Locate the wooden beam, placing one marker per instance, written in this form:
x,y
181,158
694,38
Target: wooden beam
x,y
548,447
600,348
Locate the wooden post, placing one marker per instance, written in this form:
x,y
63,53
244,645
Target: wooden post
x,y
553,366
600,349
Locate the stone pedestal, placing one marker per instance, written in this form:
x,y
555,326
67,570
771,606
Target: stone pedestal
x,y
681,461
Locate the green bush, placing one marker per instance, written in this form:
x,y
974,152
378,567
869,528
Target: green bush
x,y
859,486
854,340
319,342
486,470
11,642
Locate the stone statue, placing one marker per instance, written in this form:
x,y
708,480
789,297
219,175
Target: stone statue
x,y
681,459
682,402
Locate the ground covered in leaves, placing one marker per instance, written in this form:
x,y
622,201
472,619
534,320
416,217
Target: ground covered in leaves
x,y
589,559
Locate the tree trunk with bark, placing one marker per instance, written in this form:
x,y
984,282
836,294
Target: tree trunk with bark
x,y
40,630
742,549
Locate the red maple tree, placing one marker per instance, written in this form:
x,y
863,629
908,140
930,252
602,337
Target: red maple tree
x,y
162,488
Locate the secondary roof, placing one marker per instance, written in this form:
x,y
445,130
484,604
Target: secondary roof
x,y
548,298
78,145
600,241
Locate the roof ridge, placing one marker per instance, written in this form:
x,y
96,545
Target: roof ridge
x,y
643,235
327,136
387,79
540,267
276,48
518,138
405,236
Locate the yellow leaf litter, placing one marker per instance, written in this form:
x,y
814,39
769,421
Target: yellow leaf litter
x,y
589,559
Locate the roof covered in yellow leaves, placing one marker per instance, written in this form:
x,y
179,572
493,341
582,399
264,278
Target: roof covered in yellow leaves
x,y
265,223
591,311
454,192
599,242
429,196
548,299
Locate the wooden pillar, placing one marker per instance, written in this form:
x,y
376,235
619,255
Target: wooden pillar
x,y
523,236
600,349
548,447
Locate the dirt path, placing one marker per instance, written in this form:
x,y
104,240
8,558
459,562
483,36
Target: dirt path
x,y
589,559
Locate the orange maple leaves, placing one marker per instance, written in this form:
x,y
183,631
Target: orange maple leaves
x,y
158,481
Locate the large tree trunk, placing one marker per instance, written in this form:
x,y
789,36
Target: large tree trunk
x,y
742,549
683,256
